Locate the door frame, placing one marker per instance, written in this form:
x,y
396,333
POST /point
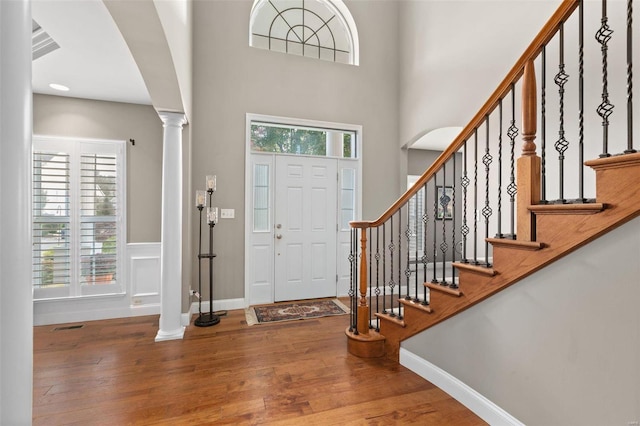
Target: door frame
x,y
250,117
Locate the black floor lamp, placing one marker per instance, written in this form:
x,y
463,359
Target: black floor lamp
x,y
209,318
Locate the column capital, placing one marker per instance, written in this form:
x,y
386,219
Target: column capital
x,y
172,119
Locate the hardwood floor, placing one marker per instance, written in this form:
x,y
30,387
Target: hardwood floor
x,y
113,373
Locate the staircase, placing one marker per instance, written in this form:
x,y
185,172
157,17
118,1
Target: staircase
x,y
435,253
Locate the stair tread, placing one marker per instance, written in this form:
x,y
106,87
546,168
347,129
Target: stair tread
x,y
416,305
587,208
484,270
437,287
393,319
516,244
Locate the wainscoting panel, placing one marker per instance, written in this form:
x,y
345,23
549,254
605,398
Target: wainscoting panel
x,y
144,273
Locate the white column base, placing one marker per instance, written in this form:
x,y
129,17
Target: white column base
x,y
170,335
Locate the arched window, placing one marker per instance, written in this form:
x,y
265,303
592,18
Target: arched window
x,y
322,29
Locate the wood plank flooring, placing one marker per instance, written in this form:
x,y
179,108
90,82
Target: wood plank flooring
x,y
113,373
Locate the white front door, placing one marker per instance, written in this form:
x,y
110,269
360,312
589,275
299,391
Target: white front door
x,y
305,227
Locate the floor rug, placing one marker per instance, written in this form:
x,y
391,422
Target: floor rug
x,y
289,311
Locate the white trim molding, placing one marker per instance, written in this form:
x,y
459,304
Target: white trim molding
x,y
467,396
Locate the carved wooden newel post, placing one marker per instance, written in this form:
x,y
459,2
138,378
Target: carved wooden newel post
x,y
528,179
363,284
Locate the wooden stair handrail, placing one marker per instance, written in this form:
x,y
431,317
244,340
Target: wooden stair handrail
x,y
564,11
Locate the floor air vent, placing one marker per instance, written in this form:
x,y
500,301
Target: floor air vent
x,y
68,327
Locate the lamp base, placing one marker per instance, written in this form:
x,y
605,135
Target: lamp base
x,y
206,320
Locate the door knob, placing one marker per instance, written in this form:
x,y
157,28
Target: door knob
x,y
278,236
278,226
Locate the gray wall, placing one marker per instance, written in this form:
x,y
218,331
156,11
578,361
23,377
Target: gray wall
x,y
455,53
560,347
419,160
232,79
72,117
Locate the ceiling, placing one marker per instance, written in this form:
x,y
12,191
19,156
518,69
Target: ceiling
x,y
93,59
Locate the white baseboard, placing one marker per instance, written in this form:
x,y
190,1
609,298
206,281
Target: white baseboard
x,y
467,396
218,305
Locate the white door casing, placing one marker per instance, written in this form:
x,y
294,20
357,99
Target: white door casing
x,y
261,190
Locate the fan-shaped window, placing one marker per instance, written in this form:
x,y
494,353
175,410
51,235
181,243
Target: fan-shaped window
x,y
322,29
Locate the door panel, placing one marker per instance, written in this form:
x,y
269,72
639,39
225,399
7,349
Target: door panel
x,y
305,241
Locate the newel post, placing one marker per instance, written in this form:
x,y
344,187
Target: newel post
x,y
528,175
363,284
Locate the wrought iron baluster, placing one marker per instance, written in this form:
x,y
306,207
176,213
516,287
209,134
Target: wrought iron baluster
x,y
377,291
499,233
384,267
487,159
353,258
512,188
561,144
392,284
464,182
603,35
453,284
407,271
399,257
435,217
425,221
444,202
351,284
475,196
416,230
629,149
543,125
581,198
370,282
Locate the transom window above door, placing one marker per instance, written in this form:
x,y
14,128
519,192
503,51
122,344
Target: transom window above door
x,y
298,140
322,29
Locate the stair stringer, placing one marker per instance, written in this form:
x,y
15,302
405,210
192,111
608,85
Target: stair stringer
x,y
617,186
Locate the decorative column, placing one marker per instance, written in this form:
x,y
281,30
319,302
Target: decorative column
x,y
16,303
529,164
171,327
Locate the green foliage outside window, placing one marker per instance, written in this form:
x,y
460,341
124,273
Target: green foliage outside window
x,y
288,140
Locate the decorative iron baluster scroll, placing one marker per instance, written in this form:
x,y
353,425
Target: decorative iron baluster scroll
x,y
512,188
407,271
453,284
543,123
499,233
475,196
399,258
435,216
464,182
444,202
353,276
425,221
561,144
384,267
377,290
603,35
392,284
487,159
581,198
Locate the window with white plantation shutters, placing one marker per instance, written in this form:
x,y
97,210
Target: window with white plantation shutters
x,y
98,220
78,217
51,220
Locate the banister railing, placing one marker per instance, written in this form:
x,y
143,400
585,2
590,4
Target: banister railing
x,y
476,188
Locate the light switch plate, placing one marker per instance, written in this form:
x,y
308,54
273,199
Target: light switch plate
x,y
227,213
